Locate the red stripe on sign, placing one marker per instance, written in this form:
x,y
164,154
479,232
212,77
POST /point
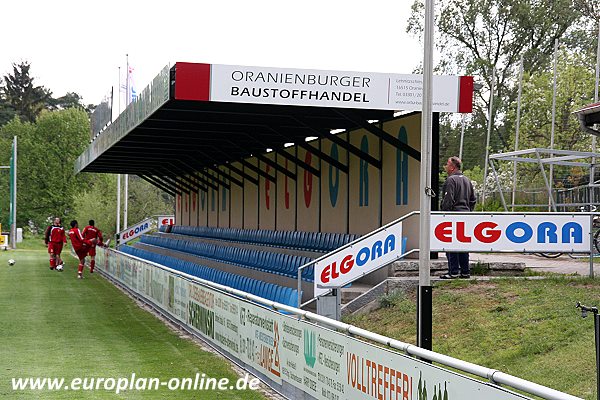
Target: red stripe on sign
x,y
192,81
465,94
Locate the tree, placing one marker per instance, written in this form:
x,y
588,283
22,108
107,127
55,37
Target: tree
x,y
22,95
47,150
477,35
98,202
6,111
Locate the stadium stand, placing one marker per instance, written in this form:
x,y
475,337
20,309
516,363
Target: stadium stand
x,y
277,293
269,257
312,241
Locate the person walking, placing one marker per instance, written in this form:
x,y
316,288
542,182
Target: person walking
x,y
54,238
91,232
458,195
80,245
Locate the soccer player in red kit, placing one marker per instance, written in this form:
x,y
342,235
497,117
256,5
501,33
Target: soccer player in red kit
x,y
80,245
91,232
54,237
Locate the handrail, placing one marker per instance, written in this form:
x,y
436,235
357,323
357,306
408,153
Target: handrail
x,y
495,377
299,275
410,214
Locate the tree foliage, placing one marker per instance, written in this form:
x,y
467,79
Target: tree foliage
x,y
98,202
475,36
47,150
22,95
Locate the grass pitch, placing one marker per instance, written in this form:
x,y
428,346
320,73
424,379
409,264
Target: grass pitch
x,y
54,325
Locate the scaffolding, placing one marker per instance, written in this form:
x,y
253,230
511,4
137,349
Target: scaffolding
x,y
581,197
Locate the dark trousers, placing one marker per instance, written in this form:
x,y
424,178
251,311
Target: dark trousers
x,y
458,262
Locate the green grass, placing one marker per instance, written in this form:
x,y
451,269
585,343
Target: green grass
x,y
54,325
526,328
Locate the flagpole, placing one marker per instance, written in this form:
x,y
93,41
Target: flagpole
x,y
126,186
119,175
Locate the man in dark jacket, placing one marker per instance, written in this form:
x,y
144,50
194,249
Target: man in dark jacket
x,y
458,195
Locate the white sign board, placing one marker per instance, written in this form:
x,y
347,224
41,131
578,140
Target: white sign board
x,y
303,87
510,232
279,348
165,220
361,258
134,231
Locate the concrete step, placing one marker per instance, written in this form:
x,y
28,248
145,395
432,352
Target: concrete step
x,y
440,267
357,289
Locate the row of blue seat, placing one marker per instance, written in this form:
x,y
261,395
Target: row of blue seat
x,y
277,293
313,241
281,264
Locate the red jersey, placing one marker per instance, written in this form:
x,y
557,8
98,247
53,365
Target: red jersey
x,y
77,240
55,234
91,232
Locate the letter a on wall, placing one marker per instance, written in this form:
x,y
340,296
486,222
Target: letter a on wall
x,y
402,171
364,175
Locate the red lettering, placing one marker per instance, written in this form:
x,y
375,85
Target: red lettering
x,y
347,264
350,363
308,186
373,378
485,232
405,388
443,232
386,384
392,382
325,274
460,233
379,381
334,272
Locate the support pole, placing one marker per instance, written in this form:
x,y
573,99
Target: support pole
x,y
553,123
593,168
125,200
462,136
498,185
118,203
13,225
489,133
514,190
424,306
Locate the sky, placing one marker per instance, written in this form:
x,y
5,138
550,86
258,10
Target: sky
x,y
78,46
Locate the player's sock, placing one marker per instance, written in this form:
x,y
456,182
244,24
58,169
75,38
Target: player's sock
x,y
52,263
80,269
92,265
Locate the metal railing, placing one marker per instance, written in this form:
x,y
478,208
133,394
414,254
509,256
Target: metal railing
x,y
494,376
590,252
344,247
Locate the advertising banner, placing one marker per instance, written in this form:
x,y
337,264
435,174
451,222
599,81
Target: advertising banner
x,y
165,220
134,231
361,258
510,232
319,88
284,350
